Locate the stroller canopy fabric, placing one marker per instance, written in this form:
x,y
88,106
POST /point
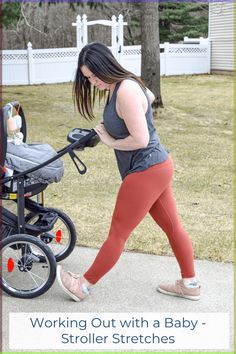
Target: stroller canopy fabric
x,y
25,156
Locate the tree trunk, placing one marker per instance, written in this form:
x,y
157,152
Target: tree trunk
x,y
150,67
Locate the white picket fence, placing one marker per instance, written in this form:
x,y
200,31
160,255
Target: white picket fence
x,y
38,66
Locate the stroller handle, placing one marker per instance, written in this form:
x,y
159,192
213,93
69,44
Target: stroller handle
x,y
83,139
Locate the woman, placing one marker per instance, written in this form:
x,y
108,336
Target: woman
x,y
145,167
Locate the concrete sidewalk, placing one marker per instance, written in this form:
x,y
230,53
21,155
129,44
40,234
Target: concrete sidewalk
x,y
131,287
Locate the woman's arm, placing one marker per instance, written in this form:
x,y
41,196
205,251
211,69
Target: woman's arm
x,y
150,95
131,106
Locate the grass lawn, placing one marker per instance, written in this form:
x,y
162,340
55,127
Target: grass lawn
x,y
196,125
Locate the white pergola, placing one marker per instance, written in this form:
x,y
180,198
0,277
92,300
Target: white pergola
x,y
117,32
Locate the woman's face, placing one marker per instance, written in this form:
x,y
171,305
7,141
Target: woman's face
x,y
94,80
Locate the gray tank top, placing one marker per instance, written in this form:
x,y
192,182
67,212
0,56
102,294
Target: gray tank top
x,y
134,160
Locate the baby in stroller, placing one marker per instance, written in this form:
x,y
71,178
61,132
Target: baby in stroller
x,y
36,237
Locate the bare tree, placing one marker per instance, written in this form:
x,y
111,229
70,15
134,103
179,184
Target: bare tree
x,y
150,67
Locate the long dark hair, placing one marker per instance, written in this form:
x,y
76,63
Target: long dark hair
x,y
102,63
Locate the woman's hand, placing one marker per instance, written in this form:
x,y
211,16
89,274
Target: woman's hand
x,y
106,138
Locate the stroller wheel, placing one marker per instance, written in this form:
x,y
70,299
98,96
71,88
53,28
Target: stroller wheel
x,y
61,239
23,275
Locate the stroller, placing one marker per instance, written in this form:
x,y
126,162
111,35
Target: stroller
x,y
34,238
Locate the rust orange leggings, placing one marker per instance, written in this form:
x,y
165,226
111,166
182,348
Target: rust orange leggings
x,y
142,192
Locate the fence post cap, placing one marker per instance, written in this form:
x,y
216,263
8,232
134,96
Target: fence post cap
x,y
29,45
78,18
84,17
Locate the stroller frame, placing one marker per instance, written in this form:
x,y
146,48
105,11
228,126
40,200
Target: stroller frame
x,y
20,225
